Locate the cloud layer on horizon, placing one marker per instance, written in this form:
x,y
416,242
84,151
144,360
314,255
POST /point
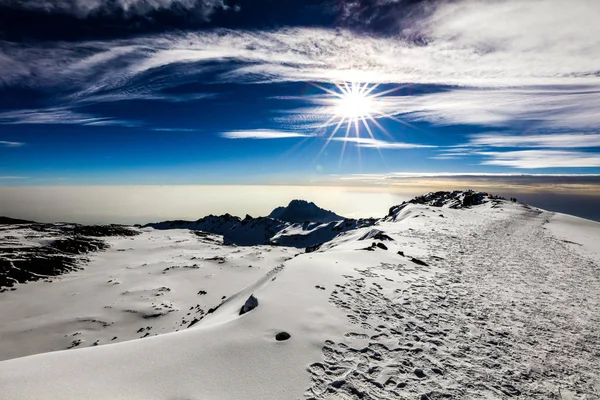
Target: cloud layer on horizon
x,y
582,183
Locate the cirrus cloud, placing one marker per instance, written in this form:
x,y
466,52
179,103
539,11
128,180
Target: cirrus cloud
x,y
263,134
534,159
380,144
5,143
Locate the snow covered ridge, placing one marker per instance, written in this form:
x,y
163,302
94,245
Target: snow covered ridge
x,y
455,199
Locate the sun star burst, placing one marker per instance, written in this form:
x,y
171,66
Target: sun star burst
x,y
355,106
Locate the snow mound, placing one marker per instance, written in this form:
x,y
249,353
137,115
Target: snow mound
x,y
302,211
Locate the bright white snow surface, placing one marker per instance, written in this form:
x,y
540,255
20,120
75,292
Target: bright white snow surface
x,y
497,301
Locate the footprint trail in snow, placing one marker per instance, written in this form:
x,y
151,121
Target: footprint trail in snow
x,y
500,317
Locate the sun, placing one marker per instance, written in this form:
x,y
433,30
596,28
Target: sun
x,y
354,105
353,110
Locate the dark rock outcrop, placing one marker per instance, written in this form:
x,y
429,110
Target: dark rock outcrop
x,y
60,251
250,304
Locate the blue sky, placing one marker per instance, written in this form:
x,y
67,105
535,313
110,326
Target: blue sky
x,y
215,92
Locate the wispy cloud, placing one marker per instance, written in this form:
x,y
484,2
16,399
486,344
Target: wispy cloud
x,y
56,115
263,134
4,143
175,129
551,150
533,159
556,140
11,177
380,144
467,43
560,107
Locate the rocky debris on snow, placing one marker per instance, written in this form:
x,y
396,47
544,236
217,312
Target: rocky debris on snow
x,y
419,373
375,245
25,264
98,230
36,251
419,262
180,267
375,234
250,304
194,322
312,248
208,237
75,343
455,199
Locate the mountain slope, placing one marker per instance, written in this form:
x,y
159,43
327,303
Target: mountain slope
x,y
487,301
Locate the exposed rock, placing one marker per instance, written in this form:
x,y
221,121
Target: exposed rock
x,y
249,305
419,262
455,199
375,234
382,246
419,373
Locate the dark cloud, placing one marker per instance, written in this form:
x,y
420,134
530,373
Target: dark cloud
x,y
109,8
102,19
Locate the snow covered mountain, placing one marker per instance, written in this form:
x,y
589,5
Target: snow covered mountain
x,y
243,232
299,211
453,295
317,226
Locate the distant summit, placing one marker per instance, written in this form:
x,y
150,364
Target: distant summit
x,y
299,211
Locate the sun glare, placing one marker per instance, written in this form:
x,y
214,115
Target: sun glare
x,y
354,105
354,109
